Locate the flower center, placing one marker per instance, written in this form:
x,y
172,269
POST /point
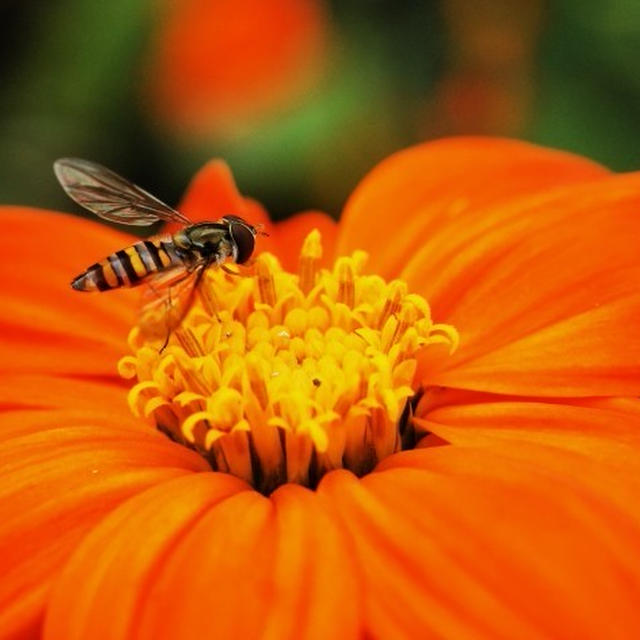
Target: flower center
x,y
281,377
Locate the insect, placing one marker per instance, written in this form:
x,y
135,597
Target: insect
x,y
167,263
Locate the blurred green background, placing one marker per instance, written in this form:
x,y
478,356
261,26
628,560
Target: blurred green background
x,y
302,97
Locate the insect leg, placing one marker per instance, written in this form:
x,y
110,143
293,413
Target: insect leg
x,y
187,305
168,315
199,277
228,270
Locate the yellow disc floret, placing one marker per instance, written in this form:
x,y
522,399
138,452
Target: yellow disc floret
x,y
281,377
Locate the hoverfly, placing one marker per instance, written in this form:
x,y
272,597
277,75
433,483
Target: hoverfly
x,y
162,262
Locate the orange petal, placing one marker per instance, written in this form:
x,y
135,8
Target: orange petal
x,y
546,286
601,432
290,234
45,325
55,485
467,543
219,67
414,192
212,193
108,606
37,403
38,391
22,422
246,567
622,406
266,569
610,482
54,350
595,353
316,587
215,581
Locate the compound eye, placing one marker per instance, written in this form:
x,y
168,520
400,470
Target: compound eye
x,y
244,240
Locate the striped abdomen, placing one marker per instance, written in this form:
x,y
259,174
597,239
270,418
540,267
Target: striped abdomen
x,y
130,266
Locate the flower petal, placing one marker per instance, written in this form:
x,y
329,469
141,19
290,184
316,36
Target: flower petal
x,y
210,562
466,543
45,325
291,233
42,391
55,486
220,69
213,193
266,569
37,403
219,569
414,192
543,289
608,432
314,576
107,606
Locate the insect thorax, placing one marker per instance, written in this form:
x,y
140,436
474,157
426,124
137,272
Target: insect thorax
x,y
205,239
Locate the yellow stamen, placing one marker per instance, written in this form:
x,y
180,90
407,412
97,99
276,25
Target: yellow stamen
x,y
266,285
309,261
283,377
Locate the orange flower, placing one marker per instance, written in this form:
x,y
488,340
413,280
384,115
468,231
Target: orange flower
x,y
218,65
515,517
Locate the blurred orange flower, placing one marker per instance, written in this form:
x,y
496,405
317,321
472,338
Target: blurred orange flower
x,y
515,517
217,65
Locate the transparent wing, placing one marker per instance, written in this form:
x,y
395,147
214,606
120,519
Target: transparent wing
x,y
167,300
164,293
111,196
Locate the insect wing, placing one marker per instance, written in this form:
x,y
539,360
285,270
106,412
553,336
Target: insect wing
x,y
167,300
111,196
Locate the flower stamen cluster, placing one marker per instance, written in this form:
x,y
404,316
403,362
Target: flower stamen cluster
x,y
281,377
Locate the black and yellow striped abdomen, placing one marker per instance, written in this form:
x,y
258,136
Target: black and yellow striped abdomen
x,y
130,266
